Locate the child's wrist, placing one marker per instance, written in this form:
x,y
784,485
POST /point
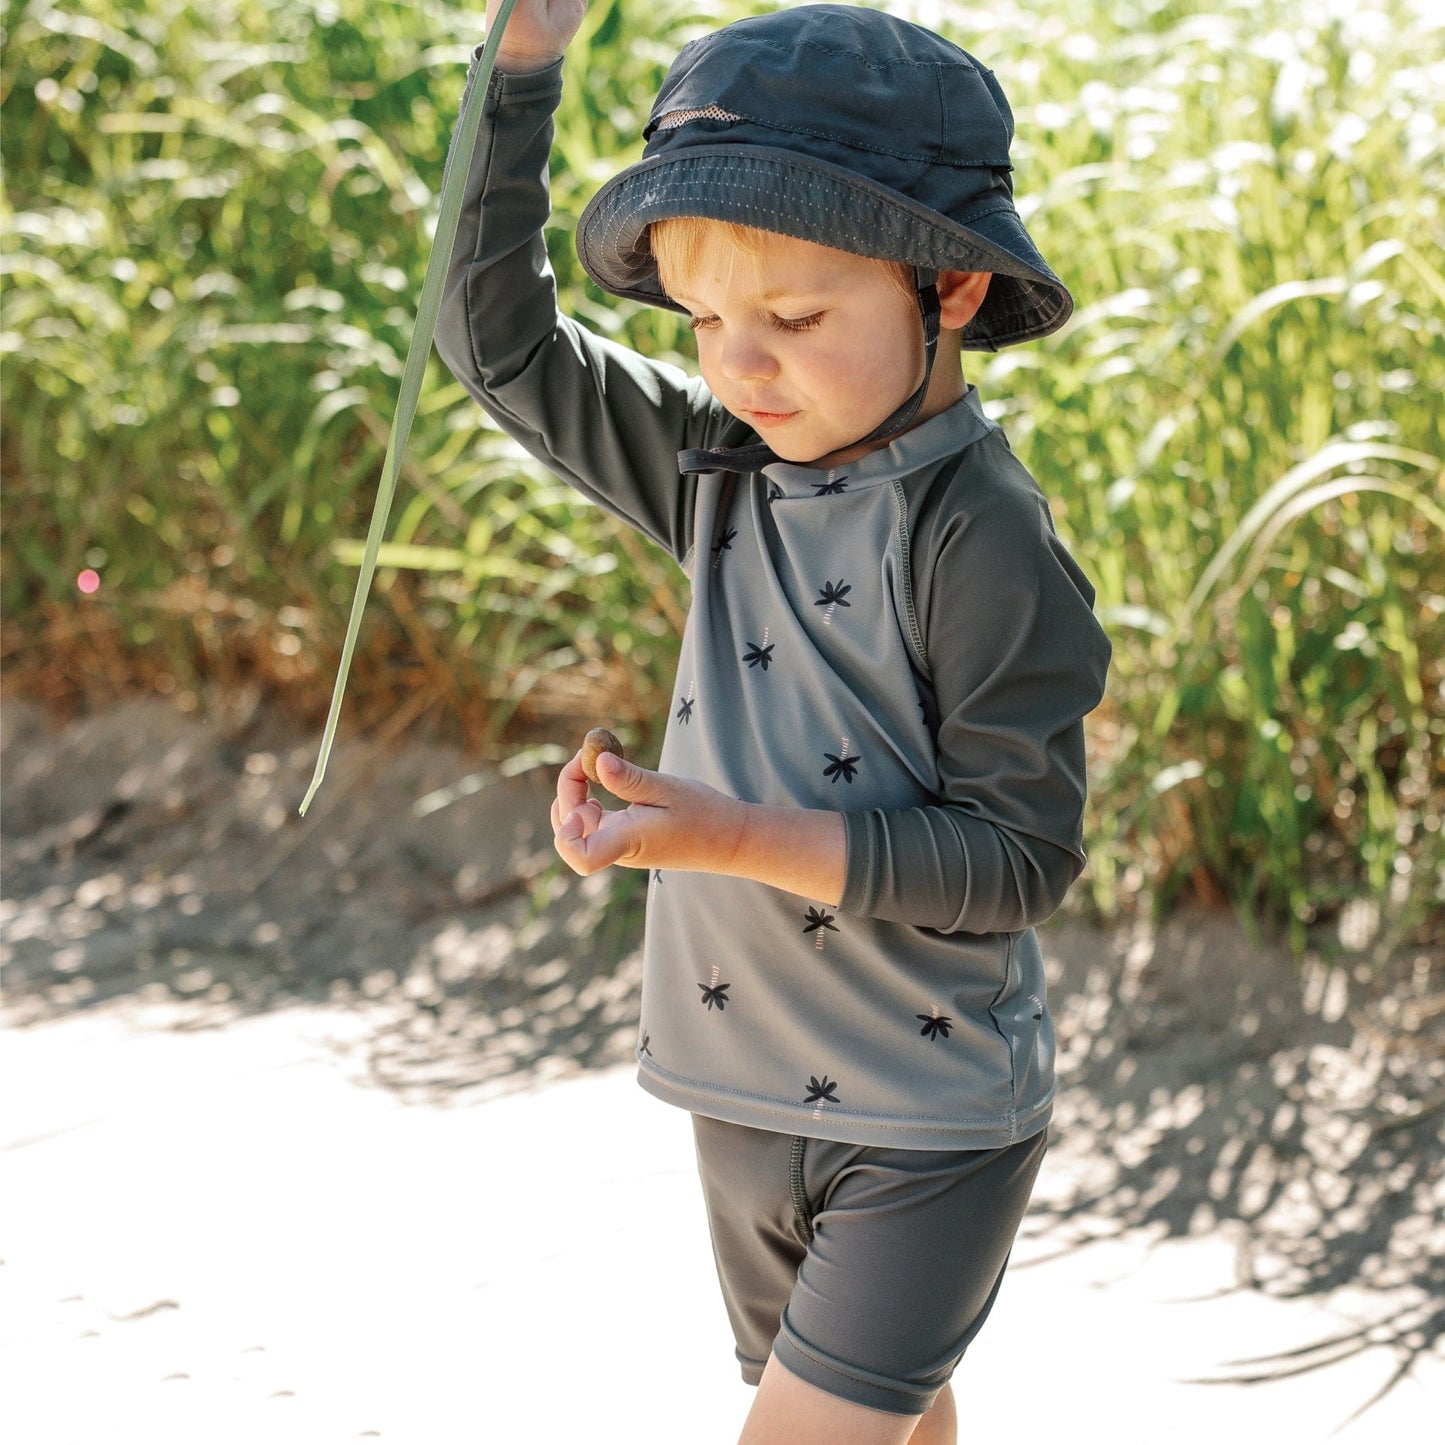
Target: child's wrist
x,y
511,62
800,850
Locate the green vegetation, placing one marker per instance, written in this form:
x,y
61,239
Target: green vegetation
x,y
216,227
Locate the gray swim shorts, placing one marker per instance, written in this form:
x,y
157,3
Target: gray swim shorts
x,y
866,1271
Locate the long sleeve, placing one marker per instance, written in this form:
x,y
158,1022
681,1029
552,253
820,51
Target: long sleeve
x,y
1016,660
605,420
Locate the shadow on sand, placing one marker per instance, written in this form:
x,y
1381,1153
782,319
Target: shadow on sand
x,y
1208,1083
1211,1084
150,856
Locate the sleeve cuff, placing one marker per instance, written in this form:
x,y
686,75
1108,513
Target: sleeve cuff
x,y
860,871
519,84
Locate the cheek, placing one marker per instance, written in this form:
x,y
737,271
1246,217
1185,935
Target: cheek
x,y
707,360
903,331
874,359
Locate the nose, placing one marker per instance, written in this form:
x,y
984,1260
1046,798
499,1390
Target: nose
x,y
746,357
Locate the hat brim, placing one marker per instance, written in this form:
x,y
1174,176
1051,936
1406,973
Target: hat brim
x,y
779,190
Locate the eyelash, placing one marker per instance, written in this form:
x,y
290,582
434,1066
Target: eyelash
x,y
780,323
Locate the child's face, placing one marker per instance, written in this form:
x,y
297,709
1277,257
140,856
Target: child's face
x,y
810,346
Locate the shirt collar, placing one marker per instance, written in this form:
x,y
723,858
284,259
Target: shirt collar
x,y
940,436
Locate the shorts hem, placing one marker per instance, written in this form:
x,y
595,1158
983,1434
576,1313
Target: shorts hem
x,y
858,1387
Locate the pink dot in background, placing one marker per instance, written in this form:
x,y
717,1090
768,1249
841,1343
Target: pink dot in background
x,y
88,581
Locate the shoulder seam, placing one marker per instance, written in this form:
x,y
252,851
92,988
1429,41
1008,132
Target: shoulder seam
x,y
905,557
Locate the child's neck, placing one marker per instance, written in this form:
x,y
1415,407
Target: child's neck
x,y
945,389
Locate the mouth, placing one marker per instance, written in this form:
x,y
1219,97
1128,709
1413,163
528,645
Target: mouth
x,y
768,418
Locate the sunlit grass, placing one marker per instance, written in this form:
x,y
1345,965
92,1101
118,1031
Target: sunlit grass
x,y
216,224
1242,431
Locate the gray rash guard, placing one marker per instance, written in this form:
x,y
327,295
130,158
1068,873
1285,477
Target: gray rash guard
x,y
904,640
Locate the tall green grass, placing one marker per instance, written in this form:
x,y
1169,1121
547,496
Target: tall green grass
x,y
1242,427
216,223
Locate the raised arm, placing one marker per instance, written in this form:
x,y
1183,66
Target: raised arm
x,y
538,32
601,417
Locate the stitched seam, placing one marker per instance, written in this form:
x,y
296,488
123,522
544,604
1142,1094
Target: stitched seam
x,y
905,557
836,1367
1009,1038
942,118
950,62
650,1068
491,139
976,158
862,191
797,1191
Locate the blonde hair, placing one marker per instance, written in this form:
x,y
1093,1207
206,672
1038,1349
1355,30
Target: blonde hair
x,y
679,242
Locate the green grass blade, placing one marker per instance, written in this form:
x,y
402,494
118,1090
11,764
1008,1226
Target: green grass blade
x,y
416,361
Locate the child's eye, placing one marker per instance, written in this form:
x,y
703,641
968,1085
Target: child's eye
x,y
702,323
798,323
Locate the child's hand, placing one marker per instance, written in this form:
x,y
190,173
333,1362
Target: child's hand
x,y
537,32
669,822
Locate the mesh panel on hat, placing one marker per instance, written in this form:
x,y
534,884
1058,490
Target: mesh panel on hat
x,y
675,118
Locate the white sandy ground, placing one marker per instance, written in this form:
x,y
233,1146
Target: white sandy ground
x,y
228,1235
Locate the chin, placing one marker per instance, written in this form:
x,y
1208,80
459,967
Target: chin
x,y
806,453
842,456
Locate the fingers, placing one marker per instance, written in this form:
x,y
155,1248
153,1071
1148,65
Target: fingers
x,y
622,779
582,822
571,790
587,836
591,839
576,817
630,783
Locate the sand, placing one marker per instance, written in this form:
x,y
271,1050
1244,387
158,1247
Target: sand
x,y
323,1130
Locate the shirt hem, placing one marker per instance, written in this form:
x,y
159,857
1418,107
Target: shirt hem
x,y
779,1116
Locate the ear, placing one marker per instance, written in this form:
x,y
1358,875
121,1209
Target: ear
x,y
960,294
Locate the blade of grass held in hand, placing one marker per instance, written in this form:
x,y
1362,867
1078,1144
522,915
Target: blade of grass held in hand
x,y
417,356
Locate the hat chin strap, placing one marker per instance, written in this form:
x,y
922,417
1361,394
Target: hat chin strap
x,y
756,457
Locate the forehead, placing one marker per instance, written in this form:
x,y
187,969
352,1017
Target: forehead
x,y
766,265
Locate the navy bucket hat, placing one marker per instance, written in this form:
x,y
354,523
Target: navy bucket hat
x,y
838,125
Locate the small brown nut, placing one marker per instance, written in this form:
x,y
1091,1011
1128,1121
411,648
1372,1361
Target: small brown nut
x,y
599,740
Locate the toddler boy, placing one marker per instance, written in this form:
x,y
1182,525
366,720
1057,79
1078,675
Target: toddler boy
x,y
872,782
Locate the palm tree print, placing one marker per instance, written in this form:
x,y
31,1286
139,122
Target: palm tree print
x,y
831,487
935,1026
775,494
717,994
818,920
757,656
841,767
820,924
725,544
822,1089
642,1048
832,596
684,708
